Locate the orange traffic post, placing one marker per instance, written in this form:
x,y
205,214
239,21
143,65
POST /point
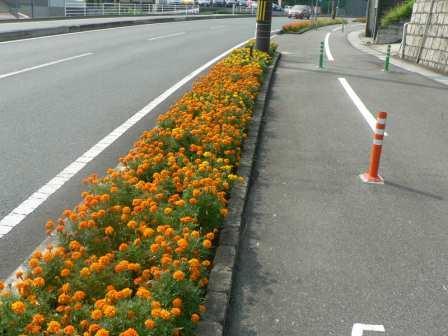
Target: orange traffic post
x,y
371,176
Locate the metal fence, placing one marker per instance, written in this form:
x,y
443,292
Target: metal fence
x,y
73,9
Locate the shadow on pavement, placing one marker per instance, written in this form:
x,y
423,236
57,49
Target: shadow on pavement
x,y
412,190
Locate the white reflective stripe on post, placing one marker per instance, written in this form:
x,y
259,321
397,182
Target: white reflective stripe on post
x,y
381,121
377,142
379,131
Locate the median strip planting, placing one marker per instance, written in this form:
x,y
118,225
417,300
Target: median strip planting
x,y
133,257
305,25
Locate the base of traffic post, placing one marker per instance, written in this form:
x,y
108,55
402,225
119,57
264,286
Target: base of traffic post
x,y
366,178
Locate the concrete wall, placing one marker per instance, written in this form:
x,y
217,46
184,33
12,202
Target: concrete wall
x,y
427,34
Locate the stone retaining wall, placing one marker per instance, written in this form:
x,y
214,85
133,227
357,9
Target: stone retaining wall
x,y
427,34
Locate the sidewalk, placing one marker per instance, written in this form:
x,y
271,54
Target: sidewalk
x,y
322,251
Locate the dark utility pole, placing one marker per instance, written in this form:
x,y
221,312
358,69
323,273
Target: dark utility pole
x,y
333,9
264,18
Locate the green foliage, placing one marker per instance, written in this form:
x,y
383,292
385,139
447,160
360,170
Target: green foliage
x,y
398,13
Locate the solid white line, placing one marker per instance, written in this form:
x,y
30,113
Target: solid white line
x,y
18,214
359,104
327,48
44,65
336,29
165,36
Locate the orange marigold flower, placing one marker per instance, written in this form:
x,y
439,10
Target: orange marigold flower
x,y
38,319
176,311
53,327
96,314
69,330
150,324
109,311
195,318
207,243
129,332
179,275
177,302
79,296
18,307
65,272
109,230
102,332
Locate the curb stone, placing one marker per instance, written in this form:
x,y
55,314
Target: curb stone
x,y
39,32
221,277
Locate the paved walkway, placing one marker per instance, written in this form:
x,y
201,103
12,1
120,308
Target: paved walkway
x,y
323,251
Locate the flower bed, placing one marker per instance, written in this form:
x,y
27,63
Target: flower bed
x,y
133,257
304,25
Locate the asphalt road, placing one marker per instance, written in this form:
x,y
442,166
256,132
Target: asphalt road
x,y
323,252
51,115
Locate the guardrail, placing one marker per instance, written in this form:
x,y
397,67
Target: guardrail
x,y
73,9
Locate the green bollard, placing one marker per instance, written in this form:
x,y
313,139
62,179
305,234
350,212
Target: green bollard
x,y
387,61
321,56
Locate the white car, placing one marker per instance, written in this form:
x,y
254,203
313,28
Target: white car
x,y
230,3
204,2
219,3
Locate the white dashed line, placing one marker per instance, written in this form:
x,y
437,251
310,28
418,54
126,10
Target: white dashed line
x,y
43,65
165,36
359,328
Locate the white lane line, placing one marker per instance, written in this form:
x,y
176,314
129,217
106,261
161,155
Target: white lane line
x,y
336,29
327,48
44,65
18,214
216,27
359,104
359,328
165,36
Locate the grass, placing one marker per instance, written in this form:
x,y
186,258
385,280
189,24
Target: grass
x,y
360,19
398,13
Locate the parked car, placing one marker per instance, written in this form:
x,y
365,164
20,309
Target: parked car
x,y
242,3
230,3
204,3
299,12
287,9
219,3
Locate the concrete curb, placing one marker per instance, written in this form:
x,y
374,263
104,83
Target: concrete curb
x,y
219,288
39,32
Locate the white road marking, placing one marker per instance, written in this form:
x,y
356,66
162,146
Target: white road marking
x,y
18,214
165,36
44,65
359,104
336,29
359,328
216,27
327,48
